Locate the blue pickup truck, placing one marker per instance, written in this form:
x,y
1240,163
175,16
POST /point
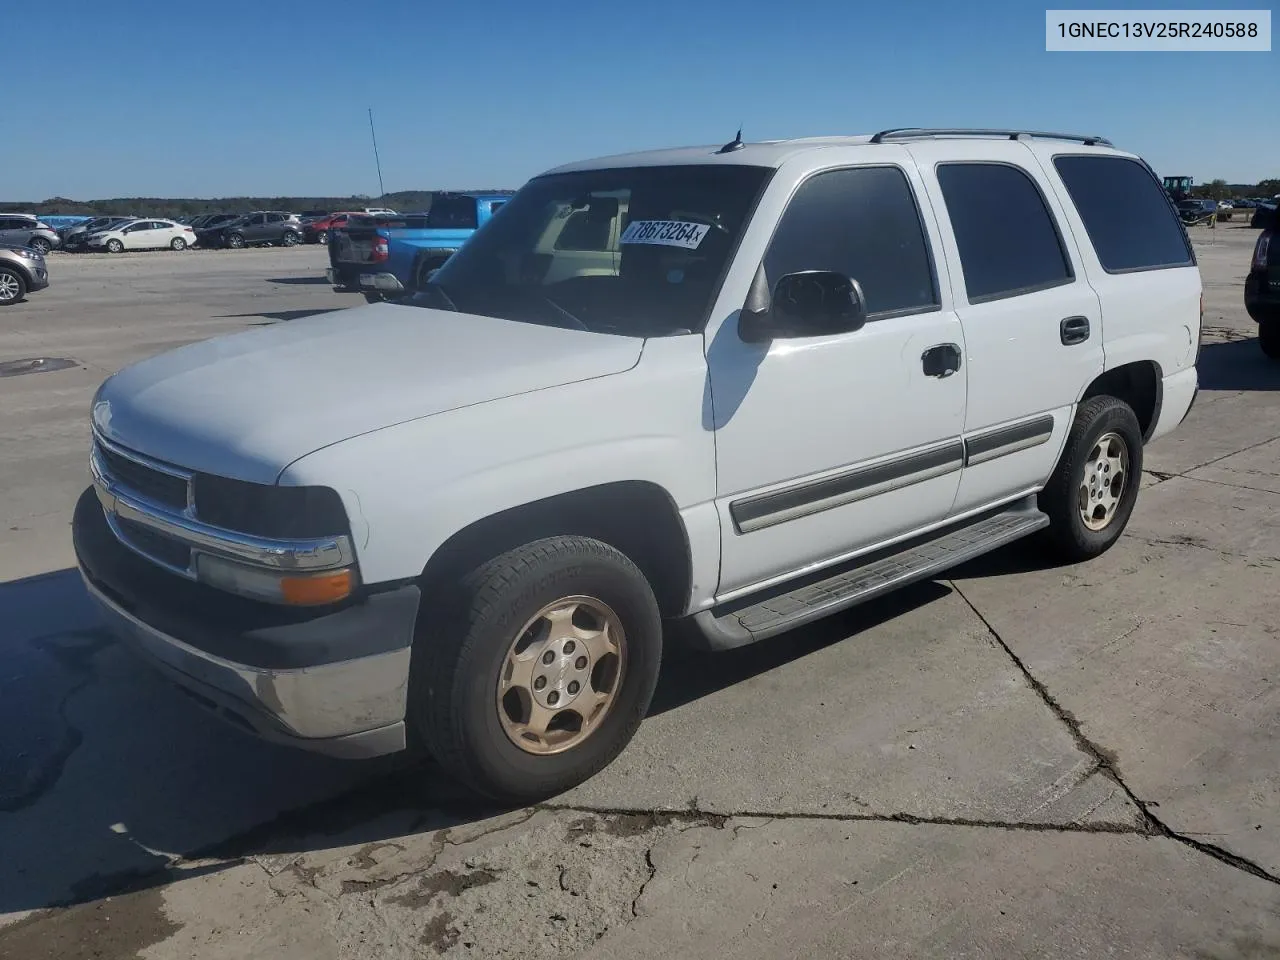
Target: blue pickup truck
x,y
390,257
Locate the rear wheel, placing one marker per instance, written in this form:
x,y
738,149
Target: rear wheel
x,y
291,238
1094,488
1269,338
40,245
178,243
533,672
12,286
235,241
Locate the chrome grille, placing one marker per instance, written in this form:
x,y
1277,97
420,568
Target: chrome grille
x,y
156,546
155,485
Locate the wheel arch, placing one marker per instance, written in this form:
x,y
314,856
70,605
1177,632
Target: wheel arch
x,y
1140,384
427,257
636,517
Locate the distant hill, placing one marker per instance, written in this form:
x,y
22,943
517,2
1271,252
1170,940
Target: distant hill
x,y
406,201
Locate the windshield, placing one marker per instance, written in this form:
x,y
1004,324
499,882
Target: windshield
x,y
635,251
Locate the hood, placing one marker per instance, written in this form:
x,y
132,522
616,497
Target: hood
x,y
249,404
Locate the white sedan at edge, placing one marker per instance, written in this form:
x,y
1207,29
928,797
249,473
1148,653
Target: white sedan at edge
x,y
144,235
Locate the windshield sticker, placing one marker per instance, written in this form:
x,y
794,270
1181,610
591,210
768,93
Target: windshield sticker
x,y
667,233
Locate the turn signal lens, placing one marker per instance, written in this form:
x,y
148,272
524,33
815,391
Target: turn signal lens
x,y
275,586
321,588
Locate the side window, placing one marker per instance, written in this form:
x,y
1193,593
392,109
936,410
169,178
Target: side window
x,y
582,231
496,206
6,223
862,222
257,219
1009,244
276,218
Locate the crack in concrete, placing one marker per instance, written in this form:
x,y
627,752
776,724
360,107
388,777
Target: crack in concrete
x,y
718,821
1199,545
653,872
1153,826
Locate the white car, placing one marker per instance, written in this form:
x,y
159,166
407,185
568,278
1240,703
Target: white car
x,y
741,387
143,235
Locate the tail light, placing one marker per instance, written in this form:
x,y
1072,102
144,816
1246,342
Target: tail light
x,y
1260,250
380,249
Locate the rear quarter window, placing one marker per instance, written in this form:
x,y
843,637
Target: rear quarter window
x,y
1126,212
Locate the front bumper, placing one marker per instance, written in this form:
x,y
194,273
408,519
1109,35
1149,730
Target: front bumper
x,y
333,682
39,278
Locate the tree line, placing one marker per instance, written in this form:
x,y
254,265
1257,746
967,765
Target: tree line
x,y
1221,190
406,201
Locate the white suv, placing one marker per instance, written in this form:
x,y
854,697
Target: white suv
x,y
744,386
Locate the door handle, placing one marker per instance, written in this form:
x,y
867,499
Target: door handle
x,y
941,360
1074,330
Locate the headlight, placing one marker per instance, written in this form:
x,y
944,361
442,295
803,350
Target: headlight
x,y
262,510
28,254
293,589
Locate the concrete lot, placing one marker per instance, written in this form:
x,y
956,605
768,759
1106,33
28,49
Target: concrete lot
x,y
1018,761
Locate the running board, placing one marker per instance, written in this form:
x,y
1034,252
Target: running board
x,y
799,602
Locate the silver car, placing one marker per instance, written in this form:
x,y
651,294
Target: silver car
x,y
24,230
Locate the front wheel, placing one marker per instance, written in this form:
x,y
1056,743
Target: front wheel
x,y
539,669
178,244
1269,338
114,246
1092,492
12,287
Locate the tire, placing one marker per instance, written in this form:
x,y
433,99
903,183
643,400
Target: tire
x,y
462,653
1269,338
1069,536
178,244
323,237
40,245
291,238
235,241
13,287
114,246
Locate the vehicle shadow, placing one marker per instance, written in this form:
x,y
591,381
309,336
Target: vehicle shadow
x,y
277,316
112,781
317,281
1237,365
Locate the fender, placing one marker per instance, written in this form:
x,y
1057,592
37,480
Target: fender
x,y
410,487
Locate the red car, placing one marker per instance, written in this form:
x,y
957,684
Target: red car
x,y
317,231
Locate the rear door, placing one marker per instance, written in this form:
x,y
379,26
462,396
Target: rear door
x,y
1032,322
274,228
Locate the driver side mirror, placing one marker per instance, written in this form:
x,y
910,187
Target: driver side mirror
x,y
809,303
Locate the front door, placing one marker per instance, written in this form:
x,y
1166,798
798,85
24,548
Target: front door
x,y
830,445
1032,322
255,227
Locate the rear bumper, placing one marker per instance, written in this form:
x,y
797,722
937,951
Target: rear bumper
x,y
333,682
381,282
1261,294
1180,391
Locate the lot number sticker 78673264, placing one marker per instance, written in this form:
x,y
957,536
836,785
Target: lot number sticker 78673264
x,y
667,233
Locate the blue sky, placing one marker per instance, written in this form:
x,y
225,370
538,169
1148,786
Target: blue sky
x,y
268,97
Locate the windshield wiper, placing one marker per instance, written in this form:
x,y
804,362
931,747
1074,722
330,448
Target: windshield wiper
x,y
566,314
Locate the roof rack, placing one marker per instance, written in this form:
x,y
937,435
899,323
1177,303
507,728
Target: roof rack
x,y
912,133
